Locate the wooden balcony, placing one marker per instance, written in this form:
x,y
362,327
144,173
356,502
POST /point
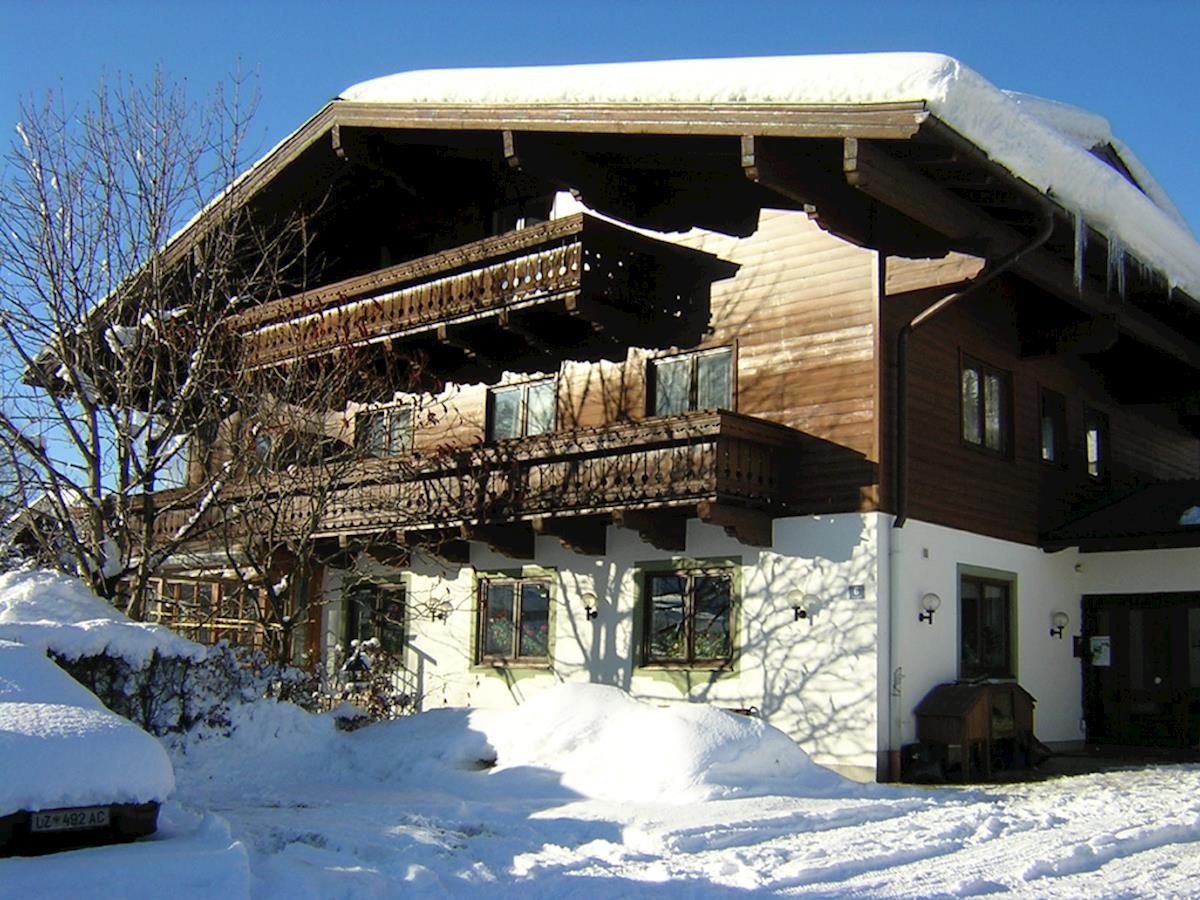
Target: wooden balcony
x,y
577,282
651,476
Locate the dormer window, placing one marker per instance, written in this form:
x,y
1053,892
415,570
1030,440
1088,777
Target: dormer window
x,y
383,431
521,410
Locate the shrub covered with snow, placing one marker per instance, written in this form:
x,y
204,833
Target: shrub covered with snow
x,y
145,672
57,613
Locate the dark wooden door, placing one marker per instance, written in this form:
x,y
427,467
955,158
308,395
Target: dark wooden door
x,y
1141,668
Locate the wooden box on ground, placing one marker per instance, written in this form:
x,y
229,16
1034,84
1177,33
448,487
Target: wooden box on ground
x,y
977,718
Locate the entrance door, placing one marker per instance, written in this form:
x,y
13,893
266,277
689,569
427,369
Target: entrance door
x,y
1141,669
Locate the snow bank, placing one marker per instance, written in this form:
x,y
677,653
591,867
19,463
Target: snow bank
x,y
53,612
607,745
61,747
1012,131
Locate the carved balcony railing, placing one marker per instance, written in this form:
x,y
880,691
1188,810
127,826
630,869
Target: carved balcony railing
x,y
729,469
525,283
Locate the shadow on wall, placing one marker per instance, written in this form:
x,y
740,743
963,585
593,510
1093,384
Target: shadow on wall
x,y
814,678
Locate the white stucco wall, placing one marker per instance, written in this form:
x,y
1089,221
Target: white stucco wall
x,y
929,558
1139,571
815,678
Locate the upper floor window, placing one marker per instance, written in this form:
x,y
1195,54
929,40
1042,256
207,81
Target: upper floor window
x,y
689,616
514,620
1095,432
1053,427
985,628
521,410
385,431
986,406
688,381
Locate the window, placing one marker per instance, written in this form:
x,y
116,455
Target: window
x,y
1095,428
689,616
702,380
207,611
375,609
514,620
521,410
985,627
384,432
986,406
1053,428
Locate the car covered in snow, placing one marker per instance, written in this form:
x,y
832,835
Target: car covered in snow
x,y
74,773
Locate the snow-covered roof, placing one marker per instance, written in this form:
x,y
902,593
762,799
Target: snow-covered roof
x,y
1041,142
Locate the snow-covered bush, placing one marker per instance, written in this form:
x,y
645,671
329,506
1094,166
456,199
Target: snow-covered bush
x,y
144,672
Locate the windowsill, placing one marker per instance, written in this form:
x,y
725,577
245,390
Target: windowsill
x,y
726,665
539,664
1003,455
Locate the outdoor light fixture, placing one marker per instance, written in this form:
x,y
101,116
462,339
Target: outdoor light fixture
x,y
590,605
804,606
1060,620
929,603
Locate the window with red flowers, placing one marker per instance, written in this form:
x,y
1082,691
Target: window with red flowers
x,y
514,620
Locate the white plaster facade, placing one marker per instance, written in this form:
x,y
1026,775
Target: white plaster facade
x,y
842,682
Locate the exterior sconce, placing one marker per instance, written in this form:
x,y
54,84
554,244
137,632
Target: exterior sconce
x,y
591,605
439,612
1059,620
804,606
929,605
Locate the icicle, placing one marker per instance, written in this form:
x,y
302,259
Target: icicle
x,y
1116,266
1080,249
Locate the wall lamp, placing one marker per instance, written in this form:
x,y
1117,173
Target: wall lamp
x,y
1059,620
591,605
804,606
929,605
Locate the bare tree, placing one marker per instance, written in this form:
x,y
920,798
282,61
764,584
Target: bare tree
x,y
113,345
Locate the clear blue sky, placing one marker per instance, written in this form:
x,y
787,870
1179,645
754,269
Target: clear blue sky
x,y
1137,63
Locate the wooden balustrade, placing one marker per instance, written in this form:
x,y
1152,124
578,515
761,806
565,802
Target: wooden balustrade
x,y
655,464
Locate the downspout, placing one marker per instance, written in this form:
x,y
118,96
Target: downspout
x,y
991,272
985,277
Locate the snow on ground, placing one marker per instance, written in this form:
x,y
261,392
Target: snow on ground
x,y
552,800
586,792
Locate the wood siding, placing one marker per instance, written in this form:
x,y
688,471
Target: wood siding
x,y
1015,496
801,313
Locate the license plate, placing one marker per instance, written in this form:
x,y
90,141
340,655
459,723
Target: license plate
x,y
69,819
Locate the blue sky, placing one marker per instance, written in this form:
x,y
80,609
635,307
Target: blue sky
x,y
1134,63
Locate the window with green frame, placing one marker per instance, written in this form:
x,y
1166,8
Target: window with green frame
x,y
688,616
513,620
375,609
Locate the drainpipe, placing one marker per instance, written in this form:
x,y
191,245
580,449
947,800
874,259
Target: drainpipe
x,y
992,271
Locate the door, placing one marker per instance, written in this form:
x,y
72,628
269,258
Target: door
x,y
1141,668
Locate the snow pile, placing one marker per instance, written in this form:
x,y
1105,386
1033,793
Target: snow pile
x,y
53,612
608,745
1009,130
61,747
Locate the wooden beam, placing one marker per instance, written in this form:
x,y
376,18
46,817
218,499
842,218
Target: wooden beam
x,y
896,121
442,543
902,188
515,541
663,530
583,534
906,190
750,526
